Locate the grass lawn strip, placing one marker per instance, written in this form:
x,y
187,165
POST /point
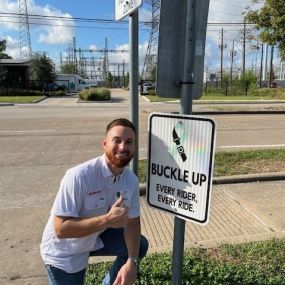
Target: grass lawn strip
x,y
19,99
252,263
238,163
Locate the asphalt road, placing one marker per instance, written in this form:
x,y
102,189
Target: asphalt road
x,y
39,142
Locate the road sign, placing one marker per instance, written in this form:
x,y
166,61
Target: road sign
x,y
181,153
125,7
172,41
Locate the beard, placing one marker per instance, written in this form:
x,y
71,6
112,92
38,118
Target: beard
x,y
119,161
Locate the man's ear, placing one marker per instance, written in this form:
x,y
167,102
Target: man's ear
x,y
103,143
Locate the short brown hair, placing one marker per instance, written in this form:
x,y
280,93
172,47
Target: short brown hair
x,y
121,122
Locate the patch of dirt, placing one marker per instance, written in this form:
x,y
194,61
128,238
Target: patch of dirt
x,y
260,166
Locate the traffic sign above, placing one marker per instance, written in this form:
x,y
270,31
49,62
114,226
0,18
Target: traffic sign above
x,y
181,154
171,56
125,7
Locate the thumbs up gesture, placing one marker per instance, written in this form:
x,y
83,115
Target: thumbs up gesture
x,y
118,215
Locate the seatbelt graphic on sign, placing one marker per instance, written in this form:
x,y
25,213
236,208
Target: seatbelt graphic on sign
x,y
178,141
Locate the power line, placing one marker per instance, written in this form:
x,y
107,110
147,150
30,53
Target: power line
x,y
103,21
71,26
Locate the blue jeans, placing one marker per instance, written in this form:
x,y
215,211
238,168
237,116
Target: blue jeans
x,y
114,245
57,276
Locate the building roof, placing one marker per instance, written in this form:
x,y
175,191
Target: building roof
x,y
21,62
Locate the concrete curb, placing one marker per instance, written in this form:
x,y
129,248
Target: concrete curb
x,y
249,178
7,104
258,177
40,99
198,102
240,112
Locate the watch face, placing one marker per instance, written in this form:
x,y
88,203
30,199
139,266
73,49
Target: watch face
x,y
134,260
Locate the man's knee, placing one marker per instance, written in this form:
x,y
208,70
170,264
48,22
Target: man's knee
x,y
143,247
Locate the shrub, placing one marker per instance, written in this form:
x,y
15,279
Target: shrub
x,y
151,92
95,94
59,93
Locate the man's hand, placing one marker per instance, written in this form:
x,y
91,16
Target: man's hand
x,y
127,274
118,215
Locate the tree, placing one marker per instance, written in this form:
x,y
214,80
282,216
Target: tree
x,y
153,73
270,20
3,55
42,68
3,45
110,79
69,68
247,80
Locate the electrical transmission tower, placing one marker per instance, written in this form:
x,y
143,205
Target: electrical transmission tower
x,y
151,53
25,39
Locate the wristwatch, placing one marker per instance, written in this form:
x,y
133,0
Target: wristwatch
x,y
134,259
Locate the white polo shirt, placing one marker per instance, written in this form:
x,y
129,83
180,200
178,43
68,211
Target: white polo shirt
x,y
87,190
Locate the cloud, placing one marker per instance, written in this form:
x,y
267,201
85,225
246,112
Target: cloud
x,y
226,11
222,11
144,15
12,47
40,27
9,22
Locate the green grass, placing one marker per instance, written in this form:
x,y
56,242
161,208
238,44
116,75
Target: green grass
x,y
18,99
254,95
238,163
154,98
214,97
255,263
239,98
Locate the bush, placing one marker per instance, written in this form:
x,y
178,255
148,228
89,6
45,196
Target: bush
x,y
59,93
95,94
151,92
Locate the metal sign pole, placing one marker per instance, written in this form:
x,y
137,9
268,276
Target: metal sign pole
x,y
133,41
185,108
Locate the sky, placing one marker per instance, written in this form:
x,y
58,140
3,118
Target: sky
x,y
65,19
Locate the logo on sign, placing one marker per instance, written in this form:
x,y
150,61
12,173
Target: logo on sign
x,y
127,5
178,135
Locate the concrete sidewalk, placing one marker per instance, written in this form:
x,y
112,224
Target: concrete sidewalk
x,y
239,212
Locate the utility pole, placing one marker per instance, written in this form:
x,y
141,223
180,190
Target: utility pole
x,y
271,73
232,60
221,46
261,67
105,61
245,35
124,80
24,27
60,60
151,52
74,55
265,63
243,48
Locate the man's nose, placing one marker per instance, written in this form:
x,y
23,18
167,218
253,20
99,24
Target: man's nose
x,y
122,145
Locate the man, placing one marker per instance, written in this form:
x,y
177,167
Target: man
x,y
96,212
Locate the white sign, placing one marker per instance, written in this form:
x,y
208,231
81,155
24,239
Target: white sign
x,y
125,7
180,165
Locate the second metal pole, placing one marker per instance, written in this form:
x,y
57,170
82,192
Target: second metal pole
x,y
134,67
186,108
